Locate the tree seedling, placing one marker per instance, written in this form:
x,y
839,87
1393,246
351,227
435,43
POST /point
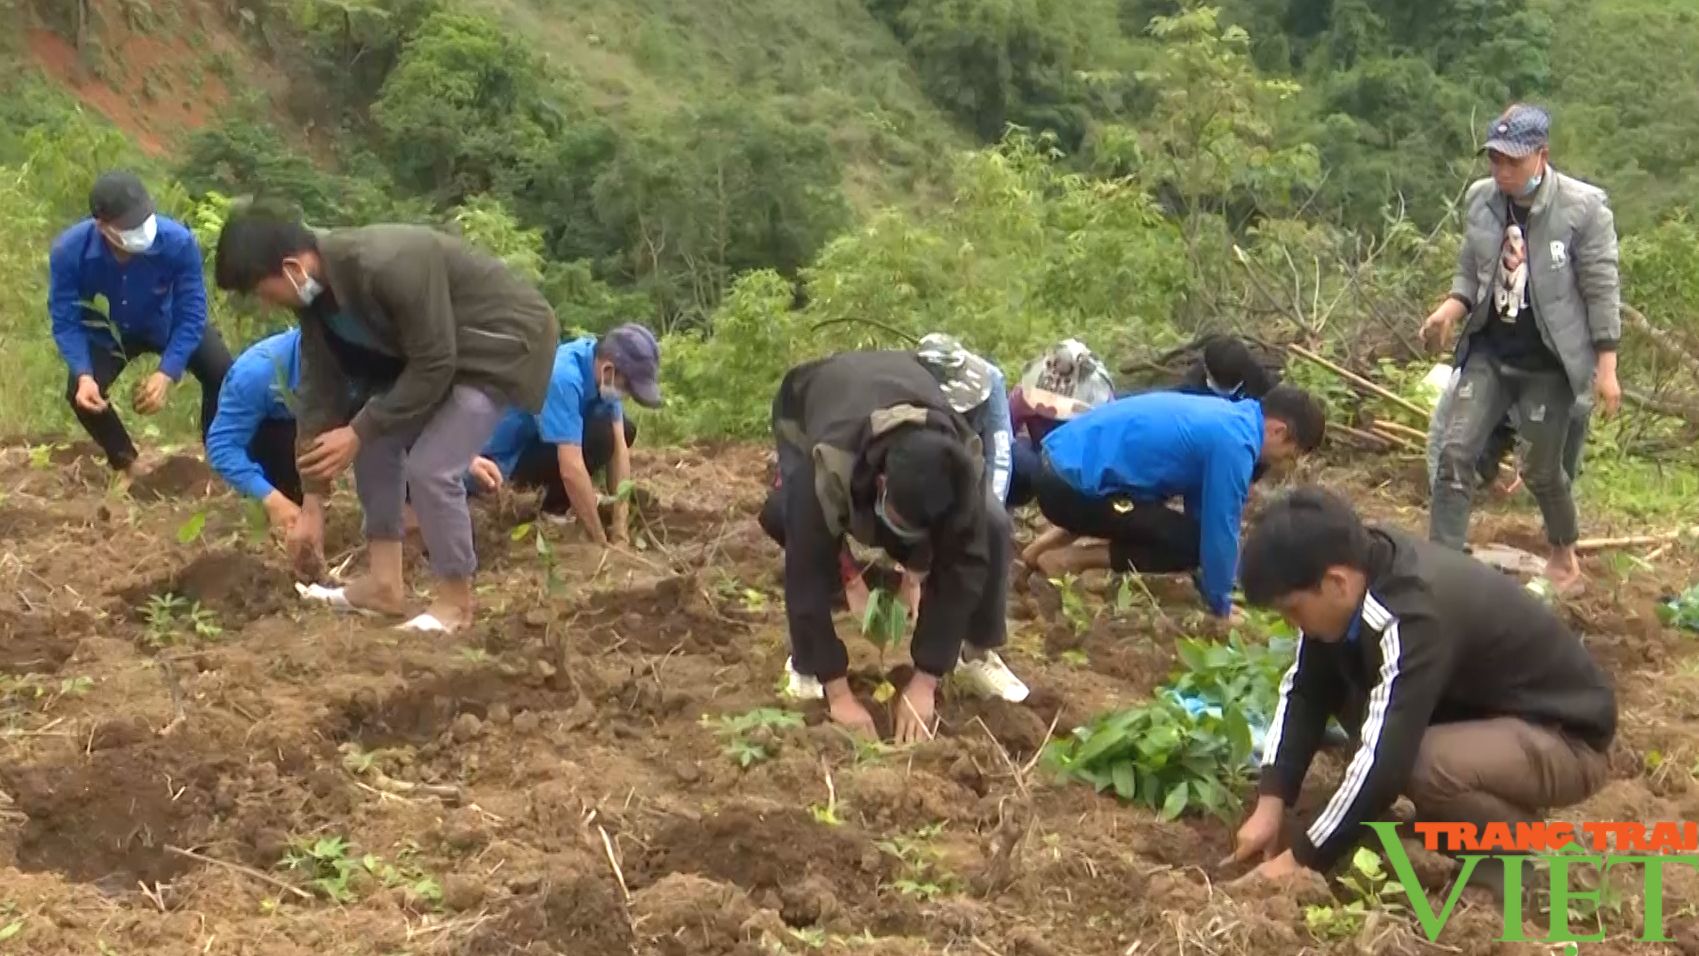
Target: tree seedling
x,y
1369,888
334,871
1162,756
191,530
923,876
753,736
1075,608
329,867
170,616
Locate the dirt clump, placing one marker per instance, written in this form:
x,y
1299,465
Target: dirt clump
x,y
107,818
454,704
764,849
39,643
674,613
686,915
1017,727
237,587
575,907
175,478
20,521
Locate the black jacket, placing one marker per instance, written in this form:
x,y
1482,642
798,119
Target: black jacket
x,y
1442,638
444,312
834,419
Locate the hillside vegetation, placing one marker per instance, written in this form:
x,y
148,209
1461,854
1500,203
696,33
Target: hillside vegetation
x,y
764,179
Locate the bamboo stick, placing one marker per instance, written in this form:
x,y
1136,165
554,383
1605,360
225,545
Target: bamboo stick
x,y
1401,429
1630,541
1360,381
1395,441
1400,440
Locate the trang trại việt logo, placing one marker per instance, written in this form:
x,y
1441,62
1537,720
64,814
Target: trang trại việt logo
x,y
1562,847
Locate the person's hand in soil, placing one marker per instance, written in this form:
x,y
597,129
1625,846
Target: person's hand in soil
x,y
856,594
486,473
619,525
1259,836
331,453
1507,487
915,707
909,592
89,398
281,512
1278,868
846,711
305,541
150,393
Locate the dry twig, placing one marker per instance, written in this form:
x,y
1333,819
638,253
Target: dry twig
x,y
244,870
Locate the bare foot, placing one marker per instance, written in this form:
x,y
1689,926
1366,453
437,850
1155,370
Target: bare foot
x,y
1563,570
453,604
451,615
371,594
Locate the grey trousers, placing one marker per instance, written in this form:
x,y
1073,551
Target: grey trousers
x,y
1485,393
427,463
1488,464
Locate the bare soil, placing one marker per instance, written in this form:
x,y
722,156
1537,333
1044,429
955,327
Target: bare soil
x,y
551,780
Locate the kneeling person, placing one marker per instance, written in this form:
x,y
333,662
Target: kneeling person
x,y
869,447
1467,693
251,444
581,430
1108,475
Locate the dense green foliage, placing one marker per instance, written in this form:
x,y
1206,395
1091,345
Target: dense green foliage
x,y
1162,756
767,180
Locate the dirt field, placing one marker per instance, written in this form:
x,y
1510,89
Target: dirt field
x,y
555,776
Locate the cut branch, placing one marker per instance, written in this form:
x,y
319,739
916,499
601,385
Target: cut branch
x,y
1360,381
245,871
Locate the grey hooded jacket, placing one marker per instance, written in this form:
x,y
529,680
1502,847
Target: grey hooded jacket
x,y
1572,270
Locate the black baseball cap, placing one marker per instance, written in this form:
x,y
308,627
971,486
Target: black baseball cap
x,y
120,200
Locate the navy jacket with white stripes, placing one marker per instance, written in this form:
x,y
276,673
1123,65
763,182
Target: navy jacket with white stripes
x,y
1442,638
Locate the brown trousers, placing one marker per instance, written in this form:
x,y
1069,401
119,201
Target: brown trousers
x,y
1504,770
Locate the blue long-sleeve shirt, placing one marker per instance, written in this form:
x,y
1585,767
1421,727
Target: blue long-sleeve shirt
x,y
157,298
574,398
997,432
1162,445
252,394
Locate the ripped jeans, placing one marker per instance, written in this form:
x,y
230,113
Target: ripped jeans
x,y
1487,391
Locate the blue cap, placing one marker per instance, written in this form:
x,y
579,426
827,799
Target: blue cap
x,y
1521,131
637,358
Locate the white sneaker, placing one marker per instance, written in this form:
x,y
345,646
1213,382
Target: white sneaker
x,y
800,686
990,677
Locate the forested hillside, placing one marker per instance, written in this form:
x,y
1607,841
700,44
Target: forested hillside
x,y
765,178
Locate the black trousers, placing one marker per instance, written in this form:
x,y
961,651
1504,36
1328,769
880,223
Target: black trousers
x,y
273,449
539,465
208,364
1023,472
1148,538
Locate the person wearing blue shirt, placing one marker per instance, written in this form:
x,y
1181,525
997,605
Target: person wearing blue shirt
x,y
251,444
147,268
1110,473
581,430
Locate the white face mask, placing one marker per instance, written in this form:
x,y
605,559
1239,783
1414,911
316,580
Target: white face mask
x,y
307,289
610,392
140,239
